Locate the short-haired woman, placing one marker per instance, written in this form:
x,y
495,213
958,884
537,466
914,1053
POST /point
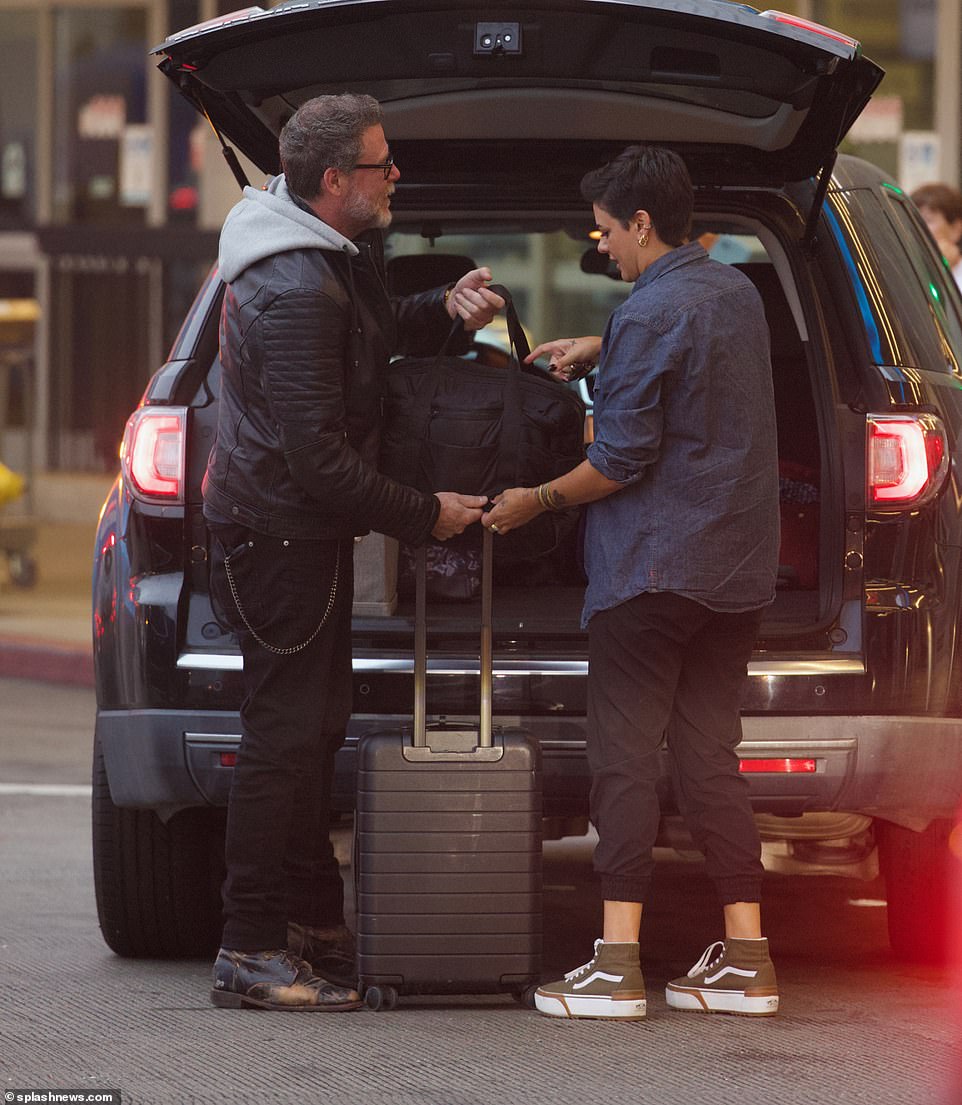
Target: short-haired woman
x,y
681,554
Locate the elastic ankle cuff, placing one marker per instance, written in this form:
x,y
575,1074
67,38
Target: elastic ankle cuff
x,y
616,888
739,890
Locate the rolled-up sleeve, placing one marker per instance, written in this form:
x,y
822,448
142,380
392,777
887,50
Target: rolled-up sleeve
x,y
628,413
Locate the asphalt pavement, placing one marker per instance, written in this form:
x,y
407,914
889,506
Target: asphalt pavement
x,y
855,1026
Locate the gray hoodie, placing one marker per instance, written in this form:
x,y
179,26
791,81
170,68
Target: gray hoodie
x,y
267,221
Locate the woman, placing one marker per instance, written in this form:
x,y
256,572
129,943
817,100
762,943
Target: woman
x,y
681,555
941,207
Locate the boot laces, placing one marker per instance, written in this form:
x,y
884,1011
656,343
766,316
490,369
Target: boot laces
x,y
289,959
585,966
707,961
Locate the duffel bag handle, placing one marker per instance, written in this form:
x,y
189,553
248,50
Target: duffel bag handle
x,y
515,330
516,334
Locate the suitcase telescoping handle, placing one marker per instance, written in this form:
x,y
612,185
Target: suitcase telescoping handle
x,y
485,737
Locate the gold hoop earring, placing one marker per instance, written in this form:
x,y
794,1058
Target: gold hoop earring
x,y
643,237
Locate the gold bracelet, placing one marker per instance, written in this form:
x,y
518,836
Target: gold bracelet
x,y
447,293
545,499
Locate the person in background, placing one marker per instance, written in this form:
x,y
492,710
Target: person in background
x,y
307,329
681,552
941,207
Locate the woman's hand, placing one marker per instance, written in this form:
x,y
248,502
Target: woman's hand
x,y
568,357
512,508
473,301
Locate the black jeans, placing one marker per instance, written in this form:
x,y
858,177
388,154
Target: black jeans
x,y
290,603
663,666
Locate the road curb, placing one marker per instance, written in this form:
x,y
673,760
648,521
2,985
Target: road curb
x,y
71,665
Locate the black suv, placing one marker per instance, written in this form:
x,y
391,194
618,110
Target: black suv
x,y
853,718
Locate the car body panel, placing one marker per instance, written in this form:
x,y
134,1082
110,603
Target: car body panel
x,y
758,100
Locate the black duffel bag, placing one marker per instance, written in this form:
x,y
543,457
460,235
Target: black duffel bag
x,y
454,424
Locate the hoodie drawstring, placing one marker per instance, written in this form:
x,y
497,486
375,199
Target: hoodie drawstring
x,y
354,338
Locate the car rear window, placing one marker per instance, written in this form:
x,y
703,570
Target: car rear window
x,y
928,284
906,298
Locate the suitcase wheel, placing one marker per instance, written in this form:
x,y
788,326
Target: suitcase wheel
x,y
525,996
384,997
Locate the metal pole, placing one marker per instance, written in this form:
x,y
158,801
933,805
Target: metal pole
x,y
947,90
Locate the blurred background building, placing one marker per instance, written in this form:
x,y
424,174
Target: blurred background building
x,y
111,195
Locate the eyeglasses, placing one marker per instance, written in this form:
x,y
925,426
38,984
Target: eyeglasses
x,y
384,166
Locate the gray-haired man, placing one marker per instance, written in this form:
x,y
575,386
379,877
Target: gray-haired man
x,y
306,332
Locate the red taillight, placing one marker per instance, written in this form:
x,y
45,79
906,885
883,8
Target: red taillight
x,y
808,25
153,452
782,767
228,759
908,458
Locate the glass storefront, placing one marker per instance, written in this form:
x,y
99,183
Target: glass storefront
x,y
18,117
900,36
101,137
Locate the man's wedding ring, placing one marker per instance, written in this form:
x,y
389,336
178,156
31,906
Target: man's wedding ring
x,y
494,527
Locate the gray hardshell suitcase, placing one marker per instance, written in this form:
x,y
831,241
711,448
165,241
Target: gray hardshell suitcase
x,y
448,847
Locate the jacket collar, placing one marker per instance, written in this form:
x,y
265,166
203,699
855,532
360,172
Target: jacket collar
x,y
690,253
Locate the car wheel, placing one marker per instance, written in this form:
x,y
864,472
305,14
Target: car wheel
x,y
157,883
917,869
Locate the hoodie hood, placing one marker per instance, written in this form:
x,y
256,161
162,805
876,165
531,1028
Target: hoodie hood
x,y
268,221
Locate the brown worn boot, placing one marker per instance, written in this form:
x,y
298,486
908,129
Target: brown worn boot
x,y
330,951
275,980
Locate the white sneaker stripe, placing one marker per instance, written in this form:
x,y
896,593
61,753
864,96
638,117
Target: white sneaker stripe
x,y
710,979
597,974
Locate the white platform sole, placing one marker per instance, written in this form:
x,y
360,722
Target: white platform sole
x,y
568,1005
722,1001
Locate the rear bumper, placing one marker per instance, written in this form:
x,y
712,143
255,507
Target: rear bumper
x,y
903,768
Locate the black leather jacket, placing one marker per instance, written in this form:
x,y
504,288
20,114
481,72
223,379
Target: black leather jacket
x,y
297,434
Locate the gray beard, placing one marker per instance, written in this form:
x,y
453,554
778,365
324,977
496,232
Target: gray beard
x,y
362,211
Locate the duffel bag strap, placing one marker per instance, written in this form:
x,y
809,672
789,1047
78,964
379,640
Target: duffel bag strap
x,y
516,334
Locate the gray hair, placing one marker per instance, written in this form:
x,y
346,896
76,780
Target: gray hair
x,y
325,133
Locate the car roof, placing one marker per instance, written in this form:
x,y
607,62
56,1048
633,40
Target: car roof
x,y
747,97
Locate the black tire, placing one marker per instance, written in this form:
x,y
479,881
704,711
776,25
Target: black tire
x,y
525,997
157,884
917,869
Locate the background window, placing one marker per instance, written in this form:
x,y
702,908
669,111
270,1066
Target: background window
x,y
100,65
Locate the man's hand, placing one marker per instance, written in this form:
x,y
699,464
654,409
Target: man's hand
x,y
565,354
457,513
472,300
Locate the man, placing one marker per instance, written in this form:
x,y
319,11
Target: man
x,y
681,552
306,331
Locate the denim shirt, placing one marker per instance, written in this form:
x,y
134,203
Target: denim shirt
x,y
684,419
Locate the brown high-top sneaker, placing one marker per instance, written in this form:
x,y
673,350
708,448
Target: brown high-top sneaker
x,y
732,976
609,985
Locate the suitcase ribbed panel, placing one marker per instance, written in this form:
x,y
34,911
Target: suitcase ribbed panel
x,y
448,868
448,882
447,862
